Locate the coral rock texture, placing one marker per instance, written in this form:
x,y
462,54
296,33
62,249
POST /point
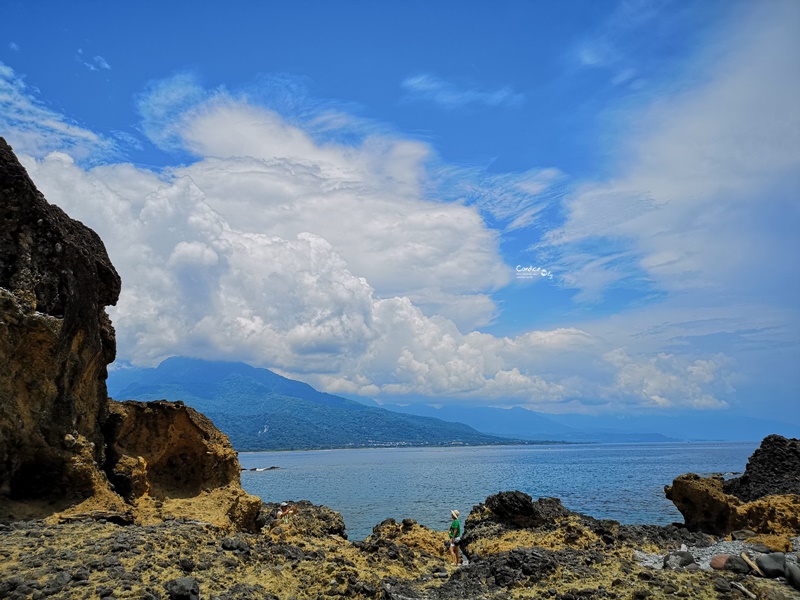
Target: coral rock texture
x,y
765,502
166,458
55,342
66,450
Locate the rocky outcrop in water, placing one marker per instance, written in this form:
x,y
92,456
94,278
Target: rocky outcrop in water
x,y
66,451
707,503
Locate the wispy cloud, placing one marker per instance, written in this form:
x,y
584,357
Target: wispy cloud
x,y
709,175
164,106
13,46
430,88
512,200
701,212
101,63
618,46
96,63
32,128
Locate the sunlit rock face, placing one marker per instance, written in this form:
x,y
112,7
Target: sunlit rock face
x,y
56,341
66,450
168,460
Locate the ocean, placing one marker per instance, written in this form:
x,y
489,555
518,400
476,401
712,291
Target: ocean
x,y
624,482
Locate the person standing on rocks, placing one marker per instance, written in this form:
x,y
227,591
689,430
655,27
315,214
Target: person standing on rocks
x,y
455,537
285,511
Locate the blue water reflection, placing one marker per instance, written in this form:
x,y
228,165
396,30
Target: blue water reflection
x,y
624,482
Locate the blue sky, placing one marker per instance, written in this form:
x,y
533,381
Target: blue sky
x,y
567,206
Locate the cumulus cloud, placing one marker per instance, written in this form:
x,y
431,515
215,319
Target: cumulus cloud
x,y
661,379
430,88
330,262
271,177
196,284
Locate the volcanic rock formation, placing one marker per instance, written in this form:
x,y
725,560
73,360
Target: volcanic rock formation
x,y
167,460
768,501
774,468
55,342
56,423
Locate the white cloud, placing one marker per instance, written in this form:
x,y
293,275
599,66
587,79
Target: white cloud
x,y
430,88
195,284
663,378
101,63
270,177
328,261
702,214
32,128
708,190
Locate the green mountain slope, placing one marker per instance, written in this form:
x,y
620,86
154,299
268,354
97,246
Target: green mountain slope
x,y
260,410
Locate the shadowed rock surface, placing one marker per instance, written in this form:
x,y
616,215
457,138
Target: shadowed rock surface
x,y
55,342
774,468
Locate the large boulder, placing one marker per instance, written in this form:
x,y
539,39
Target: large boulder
x,y
706,507
309,520
774,468
703,504
519,509
166,459
56,341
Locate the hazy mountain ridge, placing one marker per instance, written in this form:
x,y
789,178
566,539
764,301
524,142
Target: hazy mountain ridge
x,y
527,424
260,410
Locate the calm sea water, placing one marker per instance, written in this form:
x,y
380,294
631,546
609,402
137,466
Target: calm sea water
x,y
624,482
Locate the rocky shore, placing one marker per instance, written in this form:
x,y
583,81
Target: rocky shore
x,y
101,499
518,548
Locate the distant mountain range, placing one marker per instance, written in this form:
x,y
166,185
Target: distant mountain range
x,y
526,424
689,425
260,410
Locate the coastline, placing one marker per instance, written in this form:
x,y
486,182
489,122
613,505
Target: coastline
x,y
368,486
554,554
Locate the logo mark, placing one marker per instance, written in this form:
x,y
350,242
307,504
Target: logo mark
x,y
532,272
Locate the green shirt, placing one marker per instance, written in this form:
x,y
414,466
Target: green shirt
x,y
455,529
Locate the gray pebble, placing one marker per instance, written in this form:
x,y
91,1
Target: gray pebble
x,y
793,575
772,564
722,585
